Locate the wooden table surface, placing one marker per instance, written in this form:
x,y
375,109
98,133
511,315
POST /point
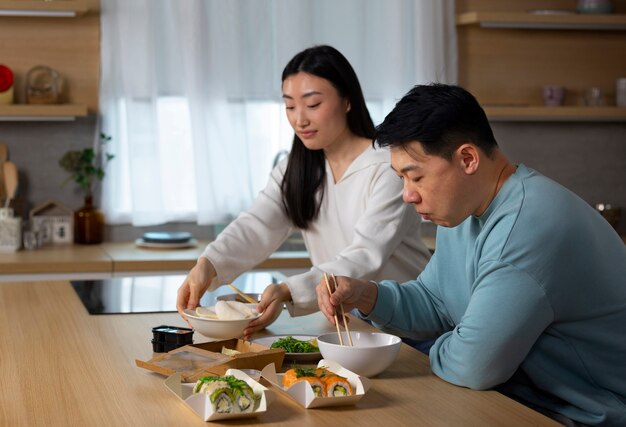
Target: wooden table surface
x,y
59,366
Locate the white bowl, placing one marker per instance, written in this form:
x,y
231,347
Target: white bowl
x,y
372,353
215,328
237,297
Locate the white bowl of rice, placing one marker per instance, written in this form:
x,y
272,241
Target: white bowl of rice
x,y
225,320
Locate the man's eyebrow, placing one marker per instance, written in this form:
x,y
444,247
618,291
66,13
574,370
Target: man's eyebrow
x,y
404,169
306,95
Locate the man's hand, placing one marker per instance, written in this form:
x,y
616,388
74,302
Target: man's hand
x,y
352,293
271,305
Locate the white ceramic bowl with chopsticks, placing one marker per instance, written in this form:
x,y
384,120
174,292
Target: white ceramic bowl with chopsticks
x,y
371,353
217,328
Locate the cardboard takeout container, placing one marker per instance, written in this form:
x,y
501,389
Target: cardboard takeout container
x,y
198,360
201,405
302,392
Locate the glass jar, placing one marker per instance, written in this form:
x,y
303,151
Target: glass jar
x,y
42,86
88,224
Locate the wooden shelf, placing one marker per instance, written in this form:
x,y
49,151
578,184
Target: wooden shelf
x,y
57,112
556,114
543,21
32,8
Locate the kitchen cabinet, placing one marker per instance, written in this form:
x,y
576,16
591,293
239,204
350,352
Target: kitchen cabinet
x,y
63,35
509,50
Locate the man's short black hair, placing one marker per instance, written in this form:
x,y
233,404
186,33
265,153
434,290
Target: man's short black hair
x,y
440,117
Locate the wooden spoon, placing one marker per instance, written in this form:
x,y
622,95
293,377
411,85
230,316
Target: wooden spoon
x,y
4,154
10,181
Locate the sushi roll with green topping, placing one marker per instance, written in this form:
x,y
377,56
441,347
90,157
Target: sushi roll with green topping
x,y
228,394
245,399
219,393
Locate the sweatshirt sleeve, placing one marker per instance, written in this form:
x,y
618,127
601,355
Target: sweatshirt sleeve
x,y
253,236
507,312
380,229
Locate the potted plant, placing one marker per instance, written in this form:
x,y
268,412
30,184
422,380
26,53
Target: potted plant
x,y
86,168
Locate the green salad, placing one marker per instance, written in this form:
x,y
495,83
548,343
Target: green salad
x,y
292,345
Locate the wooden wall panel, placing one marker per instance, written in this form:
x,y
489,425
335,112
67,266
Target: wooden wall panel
x,y
69,45
509,67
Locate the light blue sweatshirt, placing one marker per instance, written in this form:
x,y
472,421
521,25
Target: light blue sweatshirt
x,y
529,297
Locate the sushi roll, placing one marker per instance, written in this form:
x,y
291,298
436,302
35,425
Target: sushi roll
x,y
245,399
228,394
221,396
295,375
335,385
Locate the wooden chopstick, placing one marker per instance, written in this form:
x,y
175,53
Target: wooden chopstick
x,y
335,313
343,314
243,295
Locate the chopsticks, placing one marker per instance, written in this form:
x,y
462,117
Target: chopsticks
x,y
343,314
243,295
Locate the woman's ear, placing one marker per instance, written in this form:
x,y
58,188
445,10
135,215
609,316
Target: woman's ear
x,y
348,106
468,158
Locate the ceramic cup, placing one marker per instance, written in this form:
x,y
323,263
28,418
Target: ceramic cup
x,y
553,95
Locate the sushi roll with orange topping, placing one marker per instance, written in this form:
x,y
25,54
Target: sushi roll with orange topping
x,y
335,385
295,375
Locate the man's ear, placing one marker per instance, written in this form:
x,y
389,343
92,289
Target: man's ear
x,y
468,158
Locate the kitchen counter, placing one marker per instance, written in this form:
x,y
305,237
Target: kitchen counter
x,y
61,366
114,259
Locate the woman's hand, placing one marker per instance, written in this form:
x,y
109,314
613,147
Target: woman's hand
x,y
195,285
271,305
352,293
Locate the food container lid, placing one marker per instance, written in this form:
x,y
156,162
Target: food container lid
x,y
172,334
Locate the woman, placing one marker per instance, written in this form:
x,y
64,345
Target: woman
x,y
334,187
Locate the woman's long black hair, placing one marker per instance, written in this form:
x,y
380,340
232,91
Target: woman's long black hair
x,y
303,184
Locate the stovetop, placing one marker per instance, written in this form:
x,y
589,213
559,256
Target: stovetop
x,y
154,294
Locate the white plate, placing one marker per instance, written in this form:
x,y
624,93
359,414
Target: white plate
x,y
153,245
295,357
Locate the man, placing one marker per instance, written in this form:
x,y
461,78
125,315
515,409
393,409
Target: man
x,y
527,286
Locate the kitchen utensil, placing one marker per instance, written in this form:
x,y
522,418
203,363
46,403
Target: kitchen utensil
x,y
10,181
237,297
343,314
243,295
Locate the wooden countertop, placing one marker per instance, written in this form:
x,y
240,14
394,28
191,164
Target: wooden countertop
x,y
61,366
112,258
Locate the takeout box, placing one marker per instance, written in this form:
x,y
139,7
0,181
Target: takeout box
x,y
197,360
201,404
302,392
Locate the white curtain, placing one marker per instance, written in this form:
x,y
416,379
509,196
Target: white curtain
x,y
190,90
